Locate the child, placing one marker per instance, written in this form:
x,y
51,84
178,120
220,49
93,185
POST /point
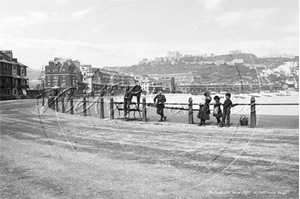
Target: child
x,y
226,110
217,109
204,111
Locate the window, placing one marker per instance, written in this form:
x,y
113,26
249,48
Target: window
x,y
15,91
22,71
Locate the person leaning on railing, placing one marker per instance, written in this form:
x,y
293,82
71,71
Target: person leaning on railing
x,y
159,101
226,110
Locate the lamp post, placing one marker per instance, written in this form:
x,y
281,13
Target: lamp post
x,y
43,100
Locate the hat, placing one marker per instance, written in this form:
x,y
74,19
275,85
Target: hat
x,y
216,98
206,93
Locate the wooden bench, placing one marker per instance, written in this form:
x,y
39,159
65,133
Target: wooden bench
x,y
133,108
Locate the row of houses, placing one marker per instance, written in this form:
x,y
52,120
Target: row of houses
x,y
13,77
235,88
71,73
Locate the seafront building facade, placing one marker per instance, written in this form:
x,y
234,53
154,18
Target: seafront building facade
x,y
13,77
62,73
110,81
70,73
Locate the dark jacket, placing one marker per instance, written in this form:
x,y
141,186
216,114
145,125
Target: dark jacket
x,y
161,99
227,104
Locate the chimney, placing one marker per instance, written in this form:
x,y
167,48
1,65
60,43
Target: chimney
x,y
8,53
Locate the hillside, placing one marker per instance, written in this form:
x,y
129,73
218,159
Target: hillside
x,y
247,57
209,72
33,74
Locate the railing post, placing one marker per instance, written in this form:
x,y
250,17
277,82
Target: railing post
x,y
71,106
111,106
84,106
43,100
191,111
56,104
101,111
144,111
62,105
252,113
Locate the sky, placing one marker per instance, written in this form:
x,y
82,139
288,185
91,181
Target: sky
x,y
123,32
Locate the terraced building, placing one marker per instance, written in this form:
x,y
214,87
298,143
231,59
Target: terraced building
x,y
13,77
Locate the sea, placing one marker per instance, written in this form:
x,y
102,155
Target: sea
x,y
277,98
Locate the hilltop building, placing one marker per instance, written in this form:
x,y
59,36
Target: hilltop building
x,y
174,55
235,52
13,77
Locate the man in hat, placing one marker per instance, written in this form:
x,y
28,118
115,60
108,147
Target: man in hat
x,y
160,100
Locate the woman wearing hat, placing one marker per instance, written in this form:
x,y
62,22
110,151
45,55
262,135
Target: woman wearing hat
x,y
204,110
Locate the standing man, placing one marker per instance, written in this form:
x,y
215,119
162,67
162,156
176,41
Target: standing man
x,y
127,101
160,105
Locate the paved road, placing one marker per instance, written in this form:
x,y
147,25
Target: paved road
x,y
55,155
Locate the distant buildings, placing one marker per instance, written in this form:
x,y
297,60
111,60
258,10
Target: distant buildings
x,y
235,52
68,73
145,61
106,80
180,78
148,84
63,73
234,88
13,77
174,55
87,74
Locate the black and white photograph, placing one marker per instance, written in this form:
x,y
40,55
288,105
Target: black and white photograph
x,y
149,99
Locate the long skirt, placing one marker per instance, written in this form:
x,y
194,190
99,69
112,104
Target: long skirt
x,y
204,112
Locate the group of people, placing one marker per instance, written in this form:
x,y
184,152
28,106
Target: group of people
x,y
204,108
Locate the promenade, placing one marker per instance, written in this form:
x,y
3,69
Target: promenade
x,y
58,155
181,116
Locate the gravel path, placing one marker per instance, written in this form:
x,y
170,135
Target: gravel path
x,y
55,155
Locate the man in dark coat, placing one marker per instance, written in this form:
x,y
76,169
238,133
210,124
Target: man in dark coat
x,y
160,105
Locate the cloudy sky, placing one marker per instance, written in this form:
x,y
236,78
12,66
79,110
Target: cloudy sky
x,y
122,32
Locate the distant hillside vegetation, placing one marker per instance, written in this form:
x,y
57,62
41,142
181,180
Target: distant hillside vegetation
x,y
33,74
209,73
189,64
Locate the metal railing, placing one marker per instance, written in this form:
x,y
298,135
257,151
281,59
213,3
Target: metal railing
x,y
64,100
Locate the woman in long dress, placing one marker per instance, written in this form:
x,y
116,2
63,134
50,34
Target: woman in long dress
x,y
204,110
